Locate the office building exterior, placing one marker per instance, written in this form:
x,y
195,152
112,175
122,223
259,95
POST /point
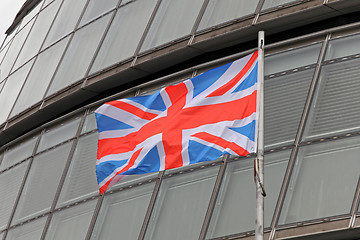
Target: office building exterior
x,y
62,59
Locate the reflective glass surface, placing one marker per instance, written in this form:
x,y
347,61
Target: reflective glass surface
x,y
81,181
122,214
284,102
58,134
31,14
323,181
214,13
13,178
11,90
292,59
28,231
65,21
43,180
124,34
335,107
96,8
236,198
274,3
170,24
18,153
71,223
39,77
37,33
13,51
78,55
187,197
342,47
90,123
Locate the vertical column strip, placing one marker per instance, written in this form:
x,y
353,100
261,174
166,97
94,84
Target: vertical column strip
x,y
94,217
101,42
213,198
66,47
22,185
299,134
151,206
142,39
63,176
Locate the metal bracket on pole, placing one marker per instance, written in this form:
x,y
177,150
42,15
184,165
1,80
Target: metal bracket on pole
x,y
257,176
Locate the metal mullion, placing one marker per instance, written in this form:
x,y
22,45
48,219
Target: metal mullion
x,y
151,206
198,19
355,205
94,217
102,40
62,179
66,47
257,11
299,134
22,185
213,198
147,28
32,65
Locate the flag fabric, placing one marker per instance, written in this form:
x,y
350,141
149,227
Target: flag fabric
x,y
194,121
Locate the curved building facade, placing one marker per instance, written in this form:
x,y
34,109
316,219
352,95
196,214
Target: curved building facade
x,y
62,59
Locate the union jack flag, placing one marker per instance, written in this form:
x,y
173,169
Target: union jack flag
x,y
194,121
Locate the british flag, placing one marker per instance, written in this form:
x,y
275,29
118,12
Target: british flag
x,y
194,121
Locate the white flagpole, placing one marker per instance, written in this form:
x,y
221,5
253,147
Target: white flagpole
x,y
259,161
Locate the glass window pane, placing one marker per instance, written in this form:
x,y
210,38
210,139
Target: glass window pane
x,y
79,54
58,134
182,201
2,55
37,33
11,90
42,182
28,231
71,223
214,13
18,153
39,77
122,214
81,179
13,178
65,20
13,51
31,14
273,3
90,123
285,98
124,34
342,47
170,24
292,59
96,8
335,108
230,217
323,181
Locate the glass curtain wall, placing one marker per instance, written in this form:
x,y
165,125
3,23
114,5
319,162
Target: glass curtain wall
x,y
53,185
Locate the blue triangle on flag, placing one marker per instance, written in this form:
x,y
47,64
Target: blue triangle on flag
x,y
150,163
105,123
247,130
249,81
200,153
205,80
153,101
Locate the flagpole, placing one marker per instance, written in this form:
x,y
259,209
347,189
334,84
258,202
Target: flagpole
x,y
259,161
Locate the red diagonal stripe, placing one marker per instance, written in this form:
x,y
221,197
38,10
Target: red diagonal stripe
x,y
133,110
220,91
221,142
129,165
